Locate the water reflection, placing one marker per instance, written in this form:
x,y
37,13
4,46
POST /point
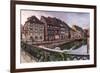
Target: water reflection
x,y
44,55
74,44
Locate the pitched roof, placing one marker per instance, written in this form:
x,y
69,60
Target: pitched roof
x,y
34,19
77,28
54,21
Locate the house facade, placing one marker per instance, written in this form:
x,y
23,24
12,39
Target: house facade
x,y
49,29
34,29
78,32
55,29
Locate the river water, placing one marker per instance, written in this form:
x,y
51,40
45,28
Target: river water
x,y
52,54
75,47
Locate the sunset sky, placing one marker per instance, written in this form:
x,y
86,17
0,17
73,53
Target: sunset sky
x,y
71,18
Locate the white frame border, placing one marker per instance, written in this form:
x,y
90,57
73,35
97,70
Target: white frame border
x,y
52,64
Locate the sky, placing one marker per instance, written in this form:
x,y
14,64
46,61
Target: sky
x,y
81,19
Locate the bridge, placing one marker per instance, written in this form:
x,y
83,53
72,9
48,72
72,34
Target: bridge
x,y
46,54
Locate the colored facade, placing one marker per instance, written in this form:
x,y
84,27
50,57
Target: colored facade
x,y
49,29
55,29
77,32
34,29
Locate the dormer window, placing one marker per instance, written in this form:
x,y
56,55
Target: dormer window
x,y
33,19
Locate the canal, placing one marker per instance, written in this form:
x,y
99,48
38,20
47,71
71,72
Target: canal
x,y
78,48
73,45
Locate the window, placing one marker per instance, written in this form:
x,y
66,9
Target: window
x,y
31,38
31,28
34,20
36,37
40,37
48,25
41,26
36,30
41,30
